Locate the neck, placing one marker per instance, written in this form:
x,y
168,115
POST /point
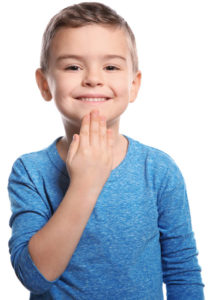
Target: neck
x,y
119,147
70,130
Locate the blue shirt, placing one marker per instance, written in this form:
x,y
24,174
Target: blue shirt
x,y
138,236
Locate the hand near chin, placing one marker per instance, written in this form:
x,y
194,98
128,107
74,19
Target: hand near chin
x,y
90,155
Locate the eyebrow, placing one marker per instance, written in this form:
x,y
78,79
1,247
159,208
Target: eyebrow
x,y
79,57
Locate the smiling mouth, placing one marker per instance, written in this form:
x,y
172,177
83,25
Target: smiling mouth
x,y
93,100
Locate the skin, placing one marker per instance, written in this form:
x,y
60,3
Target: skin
x,y
91,74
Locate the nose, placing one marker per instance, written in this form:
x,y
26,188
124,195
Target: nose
x,y
92,78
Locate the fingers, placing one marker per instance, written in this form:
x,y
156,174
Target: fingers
x,y
94,128
73,148
84,131
109,138
103,131
93,131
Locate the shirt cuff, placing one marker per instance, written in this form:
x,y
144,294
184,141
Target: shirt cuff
x,y
185,292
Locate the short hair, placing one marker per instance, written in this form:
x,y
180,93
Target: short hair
x,y
82,14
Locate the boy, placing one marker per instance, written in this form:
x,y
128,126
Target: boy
x,y
97,214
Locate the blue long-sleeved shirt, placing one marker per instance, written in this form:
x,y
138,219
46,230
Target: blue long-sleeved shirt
x,y
138,236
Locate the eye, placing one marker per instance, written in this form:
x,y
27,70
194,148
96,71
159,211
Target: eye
x,y
110,68
72,68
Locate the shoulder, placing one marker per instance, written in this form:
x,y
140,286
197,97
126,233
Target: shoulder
x,y
30,165
152,154
156,160
31,160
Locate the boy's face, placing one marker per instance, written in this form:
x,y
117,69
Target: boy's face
x,y
89,71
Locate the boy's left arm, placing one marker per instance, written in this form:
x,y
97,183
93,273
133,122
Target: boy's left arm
x,y
181,271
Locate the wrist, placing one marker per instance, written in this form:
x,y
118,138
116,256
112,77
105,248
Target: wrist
x,y
83,187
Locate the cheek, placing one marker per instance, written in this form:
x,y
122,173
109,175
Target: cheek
x,y
120,83
61,89
122,86
62,86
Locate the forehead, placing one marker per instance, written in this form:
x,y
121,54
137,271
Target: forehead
x,y
89,40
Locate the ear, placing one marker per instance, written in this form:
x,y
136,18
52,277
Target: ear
x,y
135,85
43,84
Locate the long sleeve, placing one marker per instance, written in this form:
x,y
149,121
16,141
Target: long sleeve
x,y
29,214
181,271
138,236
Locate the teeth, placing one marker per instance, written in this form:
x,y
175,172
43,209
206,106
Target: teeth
x,y
93,99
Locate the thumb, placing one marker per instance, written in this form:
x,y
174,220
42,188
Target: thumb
x,y
73,148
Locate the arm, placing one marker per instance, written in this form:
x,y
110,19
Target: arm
x,y
64,228
89,164
181,271
30,213
36,257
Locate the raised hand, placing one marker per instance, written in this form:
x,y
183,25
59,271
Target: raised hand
x,y
90,156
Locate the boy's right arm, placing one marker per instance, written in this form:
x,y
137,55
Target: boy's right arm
x,y
52,247
89,163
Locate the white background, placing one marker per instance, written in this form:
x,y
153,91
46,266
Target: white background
x,y
171,112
